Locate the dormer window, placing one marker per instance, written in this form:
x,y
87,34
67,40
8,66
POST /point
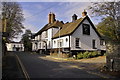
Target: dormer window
x,y
86,29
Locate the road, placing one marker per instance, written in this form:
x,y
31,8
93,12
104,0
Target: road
x,y
37,67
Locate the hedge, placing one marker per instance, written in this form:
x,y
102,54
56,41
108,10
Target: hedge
x,y
88,54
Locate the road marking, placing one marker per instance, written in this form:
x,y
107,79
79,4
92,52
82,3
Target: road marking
x,y
23,68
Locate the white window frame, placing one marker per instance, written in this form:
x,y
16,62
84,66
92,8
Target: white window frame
x,y
79,43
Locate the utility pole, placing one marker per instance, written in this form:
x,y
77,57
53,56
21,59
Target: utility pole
x,y
4,35
59,42
4,26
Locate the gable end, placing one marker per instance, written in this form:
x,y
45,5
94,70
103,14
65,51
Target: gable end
x,y
91,25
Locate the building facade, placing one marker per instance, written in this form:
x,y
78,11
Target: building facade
x,y
15,46
78,35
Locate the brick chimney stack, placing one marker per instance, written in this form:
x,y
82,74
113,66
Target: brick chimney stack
x,y
74,17
84,14
51,18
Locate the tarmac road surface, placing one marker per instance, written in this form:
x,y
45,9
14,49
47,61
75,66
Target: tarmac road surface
x,y
37,67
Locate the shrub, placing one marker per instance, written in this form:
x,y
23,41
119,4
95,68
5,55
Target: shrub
x,y
105,54
94,54
99,54
79,55
88,54
85,54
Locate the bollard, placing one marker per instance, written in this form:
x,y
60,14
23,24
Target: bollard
x,y
112,61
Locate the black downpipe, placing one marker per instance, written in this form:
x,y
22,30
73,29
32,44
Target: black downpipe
x,y
69,44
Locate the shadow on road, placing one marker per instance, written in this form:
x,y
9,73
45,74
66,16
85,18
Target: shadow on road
x,y
10,67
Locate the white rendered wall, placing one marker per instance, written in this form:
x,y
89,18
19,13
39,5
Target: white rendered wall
x,y
65,44
85,40
11,45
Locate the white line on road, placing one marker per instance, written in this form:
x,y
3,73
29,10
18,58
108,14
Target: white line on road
x,y
23,68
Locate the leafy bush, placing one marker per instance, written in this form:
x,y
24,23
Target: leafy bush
x,y
99,54
105,54
85,54
88,54
79,55
94,54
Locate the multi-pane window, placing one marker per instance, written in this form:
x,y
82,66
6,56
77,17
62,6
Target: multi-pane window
x,y
94,44
54,42
46,34
49,44
66,39
43,45
60,43
86,29
77,42
39,37
40,45
14,45
35,37
18,45
36,45
102,42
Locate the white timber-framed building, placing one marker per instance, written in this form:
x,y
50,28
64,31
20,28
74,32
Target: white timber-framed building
x,y
15,46
76,36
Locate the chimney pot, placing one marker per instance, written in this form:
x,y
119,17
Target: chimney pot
x,y
52,17
74,17
84,13
49,18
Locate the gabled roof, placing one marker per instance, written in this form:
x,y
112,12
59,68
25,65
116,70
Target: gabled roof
x,y
94,27
69,28
47,26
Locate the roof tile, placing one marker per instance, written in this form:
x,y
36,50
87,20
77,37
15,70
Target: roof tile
x,y
68,28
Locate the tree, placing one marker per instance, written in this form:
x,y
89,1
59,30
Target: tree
x,y
110,28
106,28
110,13
12,14
26,39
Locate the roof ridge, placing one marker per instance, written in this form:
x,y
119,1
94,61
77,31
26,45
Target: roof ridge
x,y
68,28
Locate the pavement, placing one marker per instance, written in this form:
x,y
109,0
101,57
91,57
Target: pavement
x,y
11,68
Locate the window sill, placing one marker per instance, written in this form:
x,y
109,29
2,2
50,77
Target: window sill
x,y
78,47
86,35
102,45
94,48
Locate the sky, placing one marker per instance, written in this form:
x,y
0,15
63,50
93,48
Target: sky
x,y
36,13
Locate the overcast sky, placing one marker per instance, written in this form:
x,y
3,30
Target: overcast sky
x,y
36,13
